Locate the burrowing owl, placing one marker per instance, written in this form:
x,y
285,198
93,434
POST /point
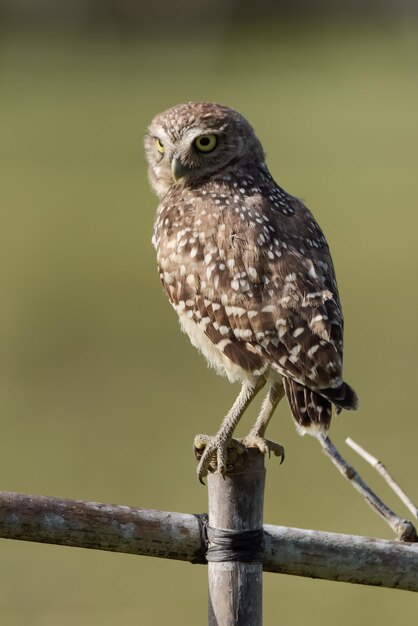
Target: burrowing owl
x,y
249,272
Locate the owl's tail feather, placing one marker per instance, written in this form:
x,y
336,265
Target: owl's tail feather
x,y
344,397
312,411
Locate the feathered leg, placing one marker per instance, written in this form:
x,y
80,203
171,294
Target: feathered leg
x,y
214,449
255,438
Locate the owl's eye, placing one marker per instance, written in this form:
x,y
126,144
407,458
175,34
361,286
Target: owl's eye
x,y
206,143
159,146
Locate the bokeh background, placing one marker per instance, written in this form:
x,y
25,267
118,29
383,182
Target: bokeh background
x,y
100,394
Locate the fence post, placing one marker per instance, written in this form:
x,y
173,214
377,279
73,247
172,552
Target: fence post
x,y
236,504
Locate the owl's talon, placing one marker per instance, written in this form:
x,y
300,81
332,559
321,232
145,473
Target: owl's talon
x,y
266,446
214,454
199,444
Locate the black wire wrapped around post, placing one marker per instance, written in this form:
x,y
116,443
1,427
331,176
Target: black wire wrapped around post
x,y
235,533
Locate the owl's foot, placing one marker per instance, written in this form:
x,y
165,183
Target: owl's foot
x,y
215,453
264,445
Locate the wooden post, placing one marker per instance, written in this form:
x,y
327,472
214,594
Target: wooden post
x,y
236,503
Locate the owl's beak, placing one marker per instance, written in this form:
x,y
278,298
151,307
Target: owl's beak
x,y
178,170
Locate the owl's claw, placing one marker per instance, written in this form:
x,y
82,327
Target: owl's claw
x,y
215,454
266,446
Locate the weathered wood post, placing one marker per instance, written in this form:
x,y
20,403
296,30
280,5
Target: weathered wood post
x,y
235,535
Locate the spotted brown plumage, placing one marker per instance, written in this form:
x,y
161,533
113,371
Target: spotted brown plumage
x,y
247,269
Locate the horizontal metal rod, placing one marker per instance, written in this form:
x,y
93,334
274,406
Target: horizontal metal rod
x,y
330,556
100,526
344,558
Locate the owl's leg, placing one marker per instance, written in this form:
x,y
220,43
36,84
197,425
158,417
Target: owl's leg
x,y
255,438
214,450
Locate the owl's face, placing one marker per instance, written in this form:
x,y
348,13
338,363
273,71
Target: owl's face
x,y
192,142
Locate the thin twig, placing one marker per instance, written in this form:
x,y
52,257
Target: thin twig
x,y
403,529
387,476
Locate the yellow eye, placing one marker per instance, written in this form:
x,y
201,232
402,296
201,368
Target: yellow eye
x,y
159,146
206,143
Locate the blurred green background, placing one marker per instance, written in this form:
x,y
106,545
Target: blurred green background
x,y
100,394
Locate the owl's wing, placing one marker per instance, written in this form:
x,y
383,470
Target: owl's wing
x,y
278,293
301,327
278,312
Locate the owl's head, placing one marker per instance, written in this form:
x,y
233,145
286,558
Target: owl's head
x,y
195,141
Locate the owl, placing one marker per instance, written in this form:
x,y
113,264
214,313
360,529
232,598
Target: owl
x,y
249,273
